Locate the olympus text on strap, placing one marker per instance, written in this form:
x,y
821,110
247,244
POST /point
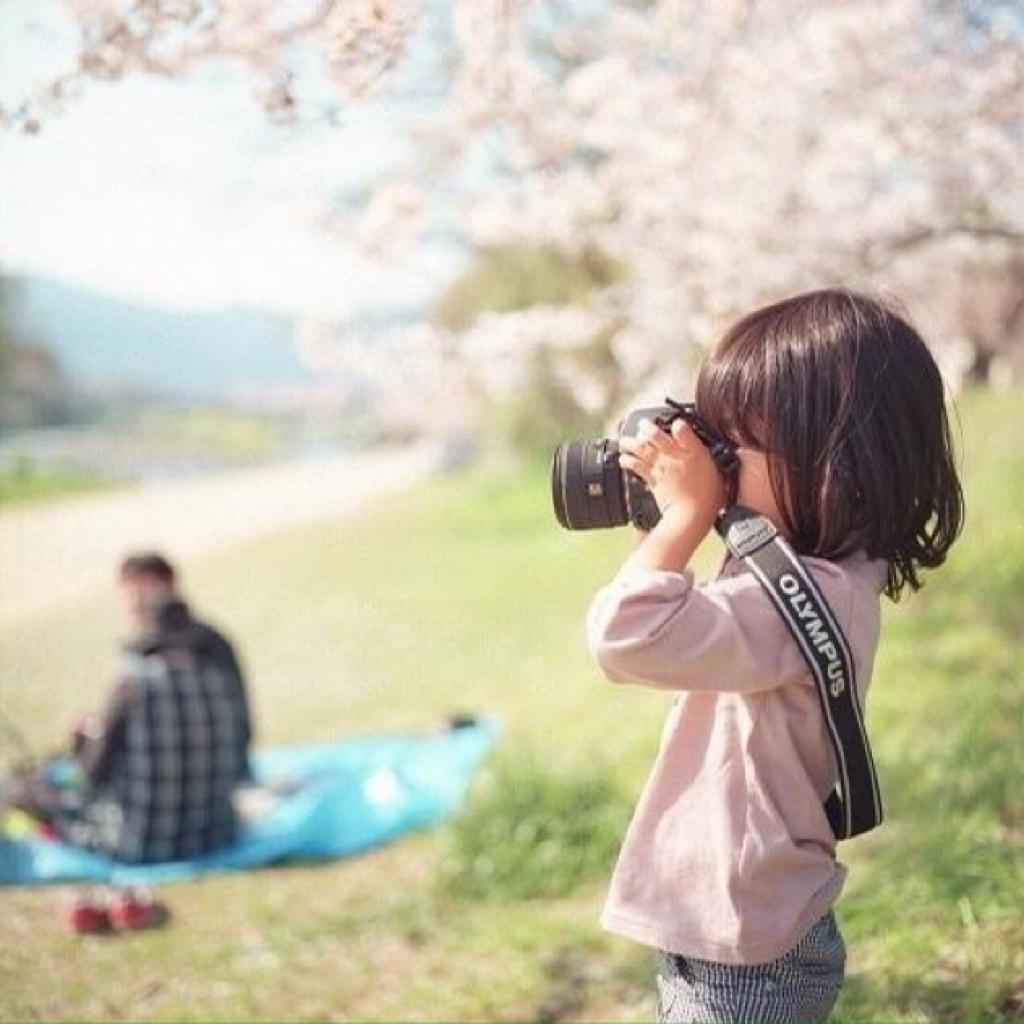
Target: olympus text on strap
x,y
856,806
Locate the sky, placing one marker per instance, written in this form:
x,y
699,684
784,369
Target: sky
x,y
182,194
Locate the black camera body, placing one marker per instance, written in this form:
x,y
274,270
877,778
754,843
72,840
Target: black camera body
x,y
591,491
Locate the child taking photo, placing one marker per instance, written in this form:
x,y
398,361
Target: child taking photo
x,y
728,868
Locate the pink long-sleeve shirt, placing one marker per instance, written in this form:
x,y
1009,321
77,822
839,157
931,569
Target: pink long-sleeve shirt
x,y
729,856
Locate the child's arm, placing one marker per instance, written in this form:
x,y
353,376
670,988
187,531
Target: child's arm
x,y
687,486
656,628
651,625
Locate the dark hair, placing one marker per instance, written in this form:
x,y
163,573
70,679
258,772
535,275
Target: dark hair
x,y
844,397
148,563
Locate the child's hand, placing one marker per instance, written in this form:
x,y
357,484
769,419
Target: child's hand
x,y
678,469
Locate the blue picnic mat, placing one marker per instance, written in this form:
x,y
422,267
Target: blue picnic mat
x,y
332,800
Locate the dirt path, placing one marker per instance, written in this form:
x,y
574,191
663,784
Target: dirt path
x,y
56,554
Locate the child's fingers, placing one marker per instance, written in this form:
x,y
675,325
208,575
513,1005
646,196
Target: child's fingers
x,y
683,435
656,438
637,447
635,465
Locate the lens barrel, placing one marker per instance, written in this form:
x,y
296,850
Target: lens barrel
x,y
587,487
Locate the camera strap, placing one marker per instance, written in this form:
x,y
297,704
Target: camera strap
x,y
856,805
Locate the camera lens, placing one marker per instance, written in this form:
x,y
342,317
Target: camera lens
x,y
587,487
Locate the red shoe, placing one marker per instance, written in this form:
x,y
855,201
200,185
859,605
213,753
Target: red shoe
x,y
132,911
86,917
47,831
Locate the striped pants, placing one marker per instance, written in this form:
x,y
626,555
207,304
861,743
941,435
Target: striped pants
x,y
799,987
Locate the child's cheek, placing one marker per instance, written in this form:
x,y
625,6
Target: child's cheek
x,y
755,490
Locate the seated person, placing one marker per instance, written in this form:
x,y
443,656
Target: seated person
x,y
162,760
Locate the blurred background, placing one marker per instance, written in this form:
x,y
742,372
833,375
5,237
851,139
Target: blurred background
x,y
304,293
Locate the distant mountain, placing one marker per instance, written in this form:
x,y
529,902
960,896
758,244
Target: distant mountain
x,y
104,342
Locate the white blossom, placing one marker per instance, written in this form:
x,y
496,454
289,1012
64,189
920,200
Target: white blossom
x,y
723,154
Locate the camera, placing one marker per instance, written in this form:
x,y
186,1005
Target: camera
x,y
591,491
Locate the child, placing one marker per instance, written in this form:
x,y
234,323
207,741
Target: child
x,y
728,868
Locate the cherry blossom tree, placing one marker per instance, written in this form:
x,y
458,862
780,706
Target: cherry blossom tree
x,y
731,153
723,154
356,42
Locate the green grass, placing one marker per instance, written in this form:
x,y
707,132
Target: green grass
x,y
934,911
531,832
465,596
25,482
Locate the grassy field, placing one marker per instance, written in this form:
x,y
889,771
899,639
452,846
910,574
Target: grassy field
x,y
26,481
466,596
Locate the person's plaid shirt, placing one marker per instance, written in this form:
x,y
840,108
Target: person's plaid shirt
x,y
173,774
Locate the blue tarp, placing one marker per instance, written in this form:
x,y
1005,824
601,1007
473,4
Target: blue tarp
x,y
334,799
